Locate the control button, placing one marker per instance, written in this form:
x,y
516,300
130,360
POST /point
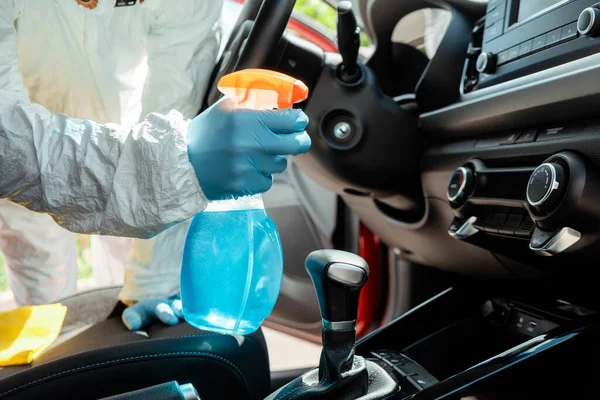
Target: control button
x,y
527,136
545,186
553,37
502,58
486,63
589,22
493,31
495,15
466,230
482,222
512,223
495,223
492,4
525,48
526,228
455,225
510,139
490,142
569,31
561,241
460,185
513,53
557,132
539,42
540,238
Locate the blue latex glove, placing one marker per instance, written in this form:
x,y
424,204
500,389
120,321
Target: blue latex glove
x,y
236,152
143,313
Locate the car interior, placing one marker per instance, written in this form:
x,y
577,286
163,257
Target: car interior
x,y
454,256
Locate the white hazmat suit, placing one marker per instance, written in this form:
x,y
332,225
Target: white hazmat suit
x,y
64,64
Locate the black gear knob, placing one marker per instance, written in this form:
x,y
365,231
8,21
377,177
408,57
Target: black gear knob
x,y
338,277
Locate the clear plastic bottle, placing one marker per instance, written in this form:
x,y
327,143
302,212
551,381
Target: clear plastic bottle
x,y
233,261
232,267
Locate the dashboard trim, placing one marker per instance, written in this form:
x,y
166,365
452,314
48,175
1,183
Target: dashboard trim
x,y
545,89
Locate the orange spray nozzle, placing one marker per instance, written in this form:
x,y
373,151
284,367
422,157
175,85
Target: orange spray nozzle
x,y
262,89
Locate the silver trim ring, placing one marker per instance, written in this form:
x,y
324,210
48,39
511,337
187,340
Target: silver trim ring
x,y
462,186
485,62
553,186
339,325
588,29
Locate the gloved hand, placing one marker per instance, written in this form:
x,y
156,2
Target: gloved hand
x,y
143,313
235,152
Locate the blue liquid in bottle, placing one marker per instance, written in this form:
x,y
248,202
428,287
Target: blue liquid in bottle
x,y
232,268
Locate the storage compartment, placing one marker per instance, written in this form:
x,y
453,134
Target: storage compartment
x,y
461,345
467,334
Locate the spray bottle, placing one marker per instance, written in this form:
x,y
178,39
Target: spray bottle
x,y
233,261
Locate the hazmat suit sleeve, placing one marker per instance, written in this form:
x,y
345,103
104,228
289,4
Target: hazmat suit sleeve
x,y
91,178
182,51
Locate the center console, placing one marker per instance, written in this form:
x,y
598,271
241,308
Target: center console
x,y
489,342
549,205
528,210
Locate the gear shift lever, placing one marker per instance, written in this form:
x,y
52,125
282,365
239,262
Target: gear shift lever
x,y
338,278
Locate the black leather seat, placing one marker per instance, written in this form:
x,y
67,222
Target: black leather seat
x,y
107,359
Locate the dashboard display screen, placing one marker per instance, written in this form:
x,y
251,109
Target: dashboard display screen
x,y
527,8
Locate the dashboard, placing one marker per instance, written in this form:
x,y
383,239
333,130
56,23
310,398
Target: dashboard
x,y
524,125
488,165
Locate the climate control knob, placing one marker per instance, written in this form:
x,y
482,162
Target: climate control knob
x,y
589,22
546,186
460,185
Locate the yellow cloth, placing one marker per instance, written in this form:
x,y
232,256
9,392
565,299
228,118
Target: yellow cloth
x,y
27,331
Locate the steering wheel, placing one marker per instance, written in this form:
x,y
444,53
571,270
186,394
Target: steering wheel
x,y
253,43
